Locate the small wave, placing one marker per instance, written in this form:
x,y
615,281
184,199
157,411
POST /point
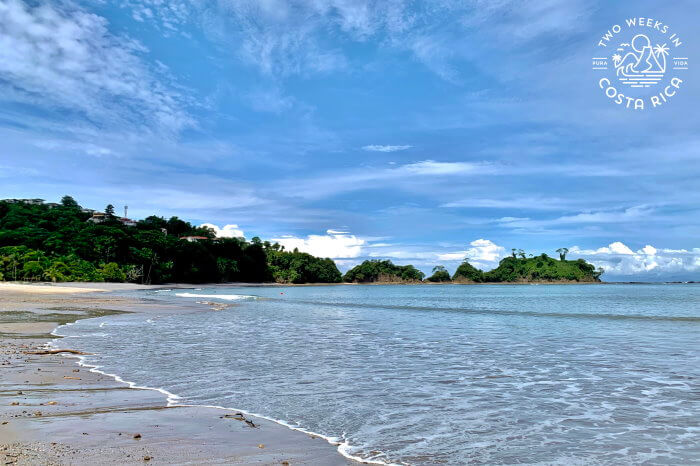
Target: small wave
x,y
572,315
172,400
161,291
225,297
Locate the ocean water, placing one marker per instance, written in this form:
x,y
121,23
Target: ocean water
x,y
434,374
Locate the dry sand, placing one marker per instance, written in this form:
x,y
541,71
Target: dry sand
x,y
54,412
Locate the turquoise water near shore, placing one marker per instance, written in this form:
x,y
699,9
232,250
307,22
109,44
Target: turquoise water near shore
x,y
576,374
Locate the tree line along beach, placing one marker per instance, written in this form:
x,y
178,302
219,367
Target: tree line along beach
x,y
61,242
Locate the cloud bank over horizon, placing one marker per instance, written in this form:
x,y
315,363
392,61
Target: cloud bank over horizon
x,y
616,259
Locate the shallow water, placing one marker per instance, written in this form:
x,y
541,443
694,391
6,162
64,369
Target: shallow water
x,y
436,374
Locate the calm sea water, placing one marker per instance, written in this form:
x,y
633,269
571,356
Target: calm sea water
x,y
436,374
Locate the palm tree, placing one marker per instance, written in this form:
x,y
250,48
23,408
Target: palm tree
x,y
562,253
616,58
660,50
514,251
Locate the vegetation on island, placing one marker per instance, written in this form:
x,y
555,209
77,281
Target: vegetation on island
x,y
384,271
542,268
468,273
440,274
64,242
514,269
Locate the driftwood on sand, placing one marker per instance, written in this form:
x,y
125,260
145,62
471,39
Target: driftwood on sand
x,y
56,351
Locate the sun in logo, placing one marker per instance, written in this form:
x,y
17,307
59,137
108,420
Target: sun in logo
x,y
643,65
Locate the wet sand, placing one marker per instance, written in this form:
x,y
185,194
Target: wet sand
x,y
53,411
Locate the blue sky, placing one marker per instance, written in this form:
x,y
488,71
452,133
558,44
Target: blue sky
x,y
424,132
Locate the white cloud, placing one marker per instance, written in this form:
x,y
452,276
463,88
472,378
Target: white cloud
x,y
60,56
280,37
334,244
326,184
525,202
483,253
619,259
431,167
404,254
228,231
381,148
630,214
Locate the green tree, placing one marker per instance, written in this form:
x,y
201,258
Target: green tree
x,y
109,211
562,253
466,271
111,272
383,271
32,270
68,201
58,272
440,274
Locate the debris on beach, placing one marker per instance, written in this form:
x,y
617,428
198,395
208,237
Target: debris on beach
x,y
261,445
57,351
137,436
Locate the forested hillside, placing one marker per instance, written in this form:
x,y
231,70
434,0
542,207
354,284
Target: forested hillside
x,y
64,242
383,271
541,268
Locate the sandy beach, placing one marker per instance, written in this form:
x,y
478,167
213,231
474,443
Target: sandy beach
x,y
53,411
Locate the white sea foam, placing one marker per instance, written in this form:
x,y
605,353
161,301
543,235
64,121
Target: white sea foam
x,y
172,400
225,297
343,446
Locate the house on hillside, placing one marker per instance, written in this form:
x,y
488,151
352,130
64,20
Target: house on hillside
x,y
100,217
97,217
24,201
194,239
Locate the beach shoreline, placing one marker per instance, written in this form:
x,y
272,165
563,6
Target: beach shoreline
x,y
54,411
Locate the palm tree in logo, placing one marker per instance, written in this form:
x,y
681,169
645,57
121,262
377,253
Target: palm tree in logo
x,y
661,51
616,59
